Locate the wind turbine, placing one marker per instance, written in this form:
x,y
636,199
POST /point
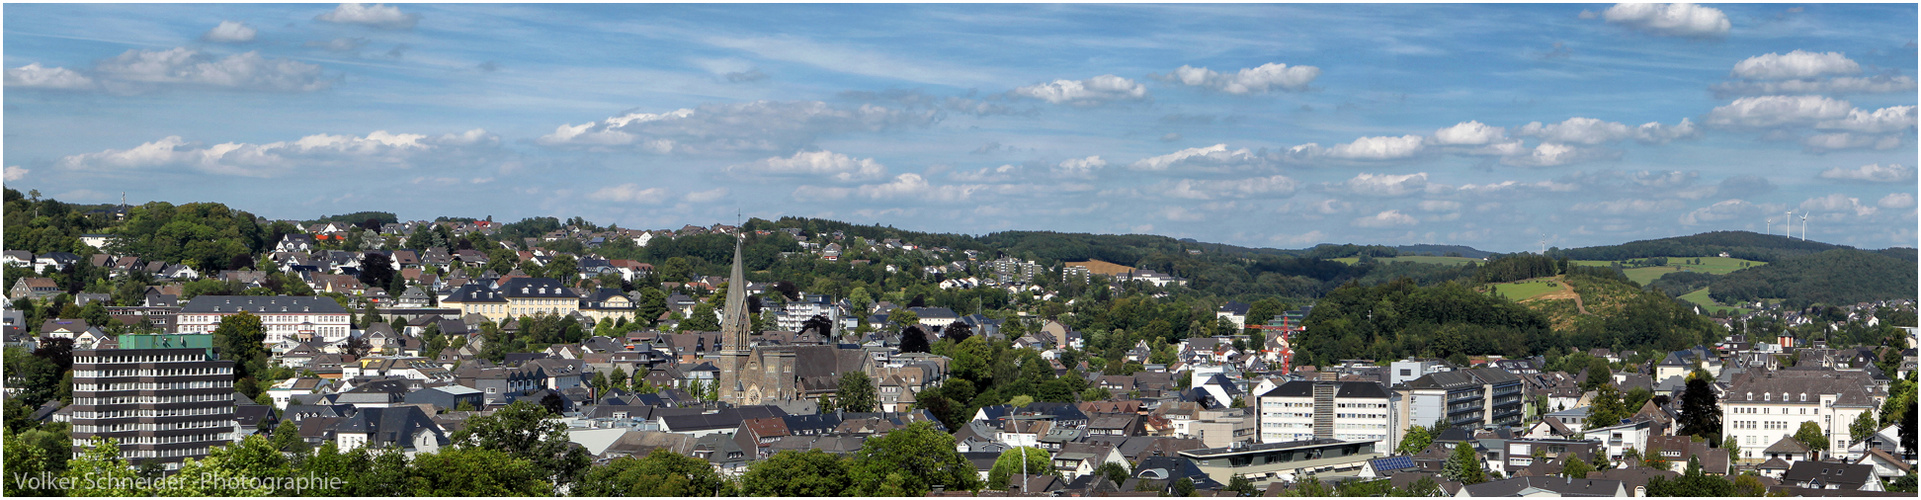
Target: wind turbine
x,y
1770,226
1790,231
1804,226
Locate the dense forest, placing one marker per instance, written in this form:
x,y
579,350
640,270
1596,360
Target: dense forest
x,y
1836,277
1738,244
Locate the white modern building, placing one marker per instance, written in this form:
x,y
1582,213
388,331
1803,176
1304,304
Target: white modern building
x,y
1347,411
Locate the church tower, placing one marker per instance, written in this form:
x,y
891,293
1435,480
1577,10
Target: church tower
x,y
734,326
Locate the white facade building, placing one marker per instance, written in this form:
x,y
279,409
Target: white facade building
x,y
1348,411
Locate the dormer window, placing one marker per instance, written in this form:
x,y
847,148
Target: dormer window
x,y
1804,397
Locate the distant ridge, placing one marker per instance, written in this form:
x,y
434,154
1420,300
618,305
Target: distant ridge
x,y
1738,244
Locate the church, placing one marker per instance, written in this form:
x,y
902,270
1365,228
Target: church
x,y
752,373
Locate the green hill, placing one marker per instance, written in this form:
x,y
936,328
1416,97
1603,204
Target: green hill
x,y
1834,277
1738,244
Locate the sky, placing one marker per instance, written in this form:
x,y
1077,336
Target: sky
x,y
1502,127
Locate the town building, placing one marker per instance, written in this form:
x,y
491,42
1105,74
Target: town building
x,y
299,318
163,398
1761,408
1347,411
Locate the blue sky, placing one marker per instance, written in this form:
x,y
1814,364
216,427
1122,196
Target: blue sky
x,y
1494,126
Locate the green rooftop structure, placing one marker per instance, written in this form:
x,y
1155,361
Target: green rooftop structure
x,y
168,341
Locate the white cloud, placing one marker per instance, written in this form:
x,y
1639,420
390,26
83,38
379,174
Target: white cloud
x,y
376,15
1001,173
1080,167
1548,154
40,77
1503,188
632,193
758,126
1468,133
1877,84
1880,121
1871,173
1837,202
1385,185
1774,111
230,32
1092,91
1724,210
1628,206
1848,140
1897,200
1679,19
1182,214
1440,205
180,65
1797,64
343,44
1258,79
1377,148
1577,130
1656,133
1217,154
1390,218
1271,186
706,196
319,151
824,164
15,172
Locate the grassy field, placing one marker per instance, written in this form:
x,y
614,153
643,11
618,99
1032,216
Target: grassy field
x,y
1710,265
1417,259
1700,298
1523,290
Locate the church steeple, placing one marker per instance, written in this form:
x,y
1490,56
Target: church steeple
x,y
735,321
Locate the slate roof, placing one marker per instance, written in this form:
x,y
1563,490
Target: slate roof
x,y
208,304
1824,474
1305,388
1562,486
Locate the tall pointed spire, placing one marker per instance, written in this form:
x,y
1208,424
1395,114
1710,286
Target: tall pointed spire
x,y
735,322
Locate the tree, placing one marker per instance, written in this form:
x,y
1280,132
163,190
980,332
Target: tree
x,y
1608,408
909,461
1038,462
856,392
1464,466
1862,427
475,472
99,471
1417,439
659,474
1811,436
525,431
812,473
32,452
819,325
1242,486
652,304
1096,394
1700,410
1576,468
1115,472
376,270
958,331
913,340
1733,446
239,338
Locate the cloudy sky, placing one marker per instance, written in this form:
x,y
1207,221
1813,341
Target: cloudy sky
x,y
1495,126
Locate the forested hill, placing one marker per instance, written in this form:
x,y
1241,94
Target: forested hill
x,y
1835,277
1738,244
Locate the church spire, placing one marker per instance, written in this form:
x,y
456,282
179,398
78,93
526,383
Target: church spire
x,y
735,322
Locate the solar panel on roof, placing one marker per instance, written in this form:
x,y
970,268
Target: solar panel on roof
x,y
1393,463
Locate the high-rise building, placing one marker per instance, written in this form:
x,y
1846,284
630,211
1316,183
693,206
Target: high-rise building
x,y
1347,411
163,398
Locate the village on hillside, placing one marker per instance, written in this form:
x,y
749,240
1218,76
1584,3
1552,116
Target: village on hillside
x,y
417,350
